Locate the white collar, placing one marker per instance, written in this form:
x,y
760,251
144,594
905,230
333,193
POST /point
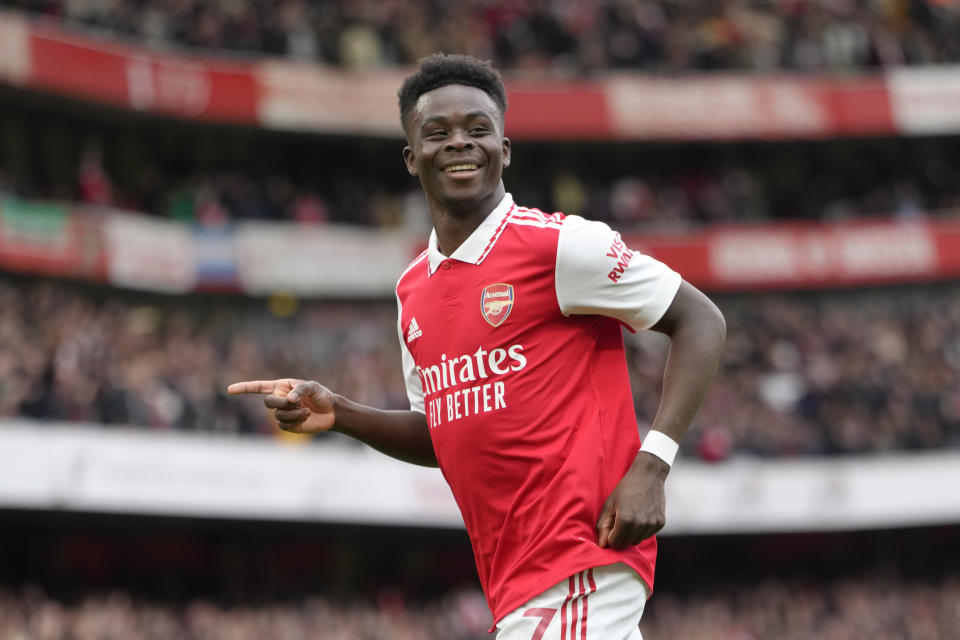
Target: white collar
x,y
476,247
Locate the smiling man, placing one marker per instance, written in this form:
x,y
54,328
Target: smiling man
x,y
510,332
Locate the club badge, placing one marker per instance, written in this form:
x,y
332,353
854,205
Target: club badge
x,y
496,301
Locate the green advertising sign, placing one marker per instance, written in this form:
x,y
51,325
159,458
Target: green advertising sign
x,y
33,224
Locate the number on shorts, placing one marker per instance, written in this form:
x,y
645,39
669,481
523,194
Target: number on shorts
x,y
545,615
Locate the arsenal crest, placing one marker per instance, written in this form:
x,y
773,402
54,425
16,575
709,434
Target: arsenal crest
x,y
496,301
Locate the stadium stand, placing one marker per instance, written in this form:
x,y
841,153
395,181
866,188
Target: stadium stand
x,y
911,594
804,374
811,187
34,615
245,176
94,356
546,36
773,609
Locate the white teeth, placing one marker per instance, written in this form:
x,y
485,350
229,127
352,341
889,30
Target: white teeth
x,y
461,167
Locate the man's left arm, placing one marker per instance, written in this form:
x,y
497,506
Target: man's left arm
x,y
697,331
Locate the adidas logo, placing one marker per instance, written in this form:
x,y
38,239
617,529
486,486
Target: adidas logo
x,y
413,332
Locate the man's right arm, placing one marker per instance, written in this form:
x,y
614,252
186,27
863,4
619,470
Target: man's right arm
x,y
305,406
403,435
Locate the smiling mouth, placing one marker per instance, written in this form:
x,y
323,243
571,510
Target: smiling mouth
x,y
458,168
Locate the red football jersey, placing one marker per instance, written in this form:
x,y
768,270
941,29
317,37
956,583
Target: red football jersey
x,y
513,349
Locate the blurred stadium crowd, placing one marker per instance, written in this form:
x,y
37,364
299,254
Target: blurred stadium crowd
x,y
32,615
164,363
804,374
630,193
558,36
848,609
854,608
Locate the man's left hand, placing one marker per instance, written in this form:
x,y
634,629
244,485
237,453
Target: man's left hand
x,y
636,509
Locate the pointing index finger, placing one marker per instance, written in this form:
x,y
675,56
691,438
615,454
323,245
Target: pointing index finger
x,y
252,386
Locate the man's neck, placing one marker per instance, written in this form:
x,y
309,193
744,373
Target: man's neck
x,y
454,226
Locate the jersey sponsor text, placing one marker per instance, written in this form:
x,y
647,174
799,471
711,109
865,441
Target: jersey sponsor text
x,y
622,254
463,370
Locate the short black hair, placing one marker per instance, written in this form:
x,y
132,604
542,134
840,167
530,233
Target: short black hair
x,y
441,69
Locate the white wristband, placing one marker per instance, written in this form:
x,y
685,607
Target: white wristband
x,y
660,445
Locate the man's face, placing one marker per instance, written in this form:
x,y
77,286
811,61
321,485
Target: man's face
x,y
457,148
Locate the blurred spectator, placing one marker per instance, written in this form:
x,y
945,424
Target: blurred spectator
x,y
163,364
878,607
804,374
546,36
814,374
308,208
31,614
661,198
881,608
93,184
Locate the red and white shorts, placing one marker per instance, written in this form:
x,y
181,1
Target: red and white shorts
x,y
604,603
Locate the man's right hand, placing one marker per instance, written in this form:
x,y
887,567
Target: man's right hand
x,y
300,406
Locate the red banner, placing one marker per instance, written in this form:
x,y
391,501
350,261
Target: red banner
x,y
746,107
573,111
146,253
278,94
794,256
187,87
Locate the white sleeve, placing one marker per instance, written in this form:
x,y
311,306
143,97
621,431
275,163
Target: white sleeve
x,y
598,274
410,376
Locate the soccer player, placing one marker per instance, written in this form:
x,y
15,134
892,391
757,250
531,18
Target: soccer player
x,y
510,333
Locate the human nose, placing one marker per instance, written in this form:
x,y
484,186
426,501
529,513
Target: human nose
x,y
458,140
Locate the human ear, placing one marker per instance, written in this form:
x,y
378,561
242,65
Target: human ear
x,y
408,159
506,151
